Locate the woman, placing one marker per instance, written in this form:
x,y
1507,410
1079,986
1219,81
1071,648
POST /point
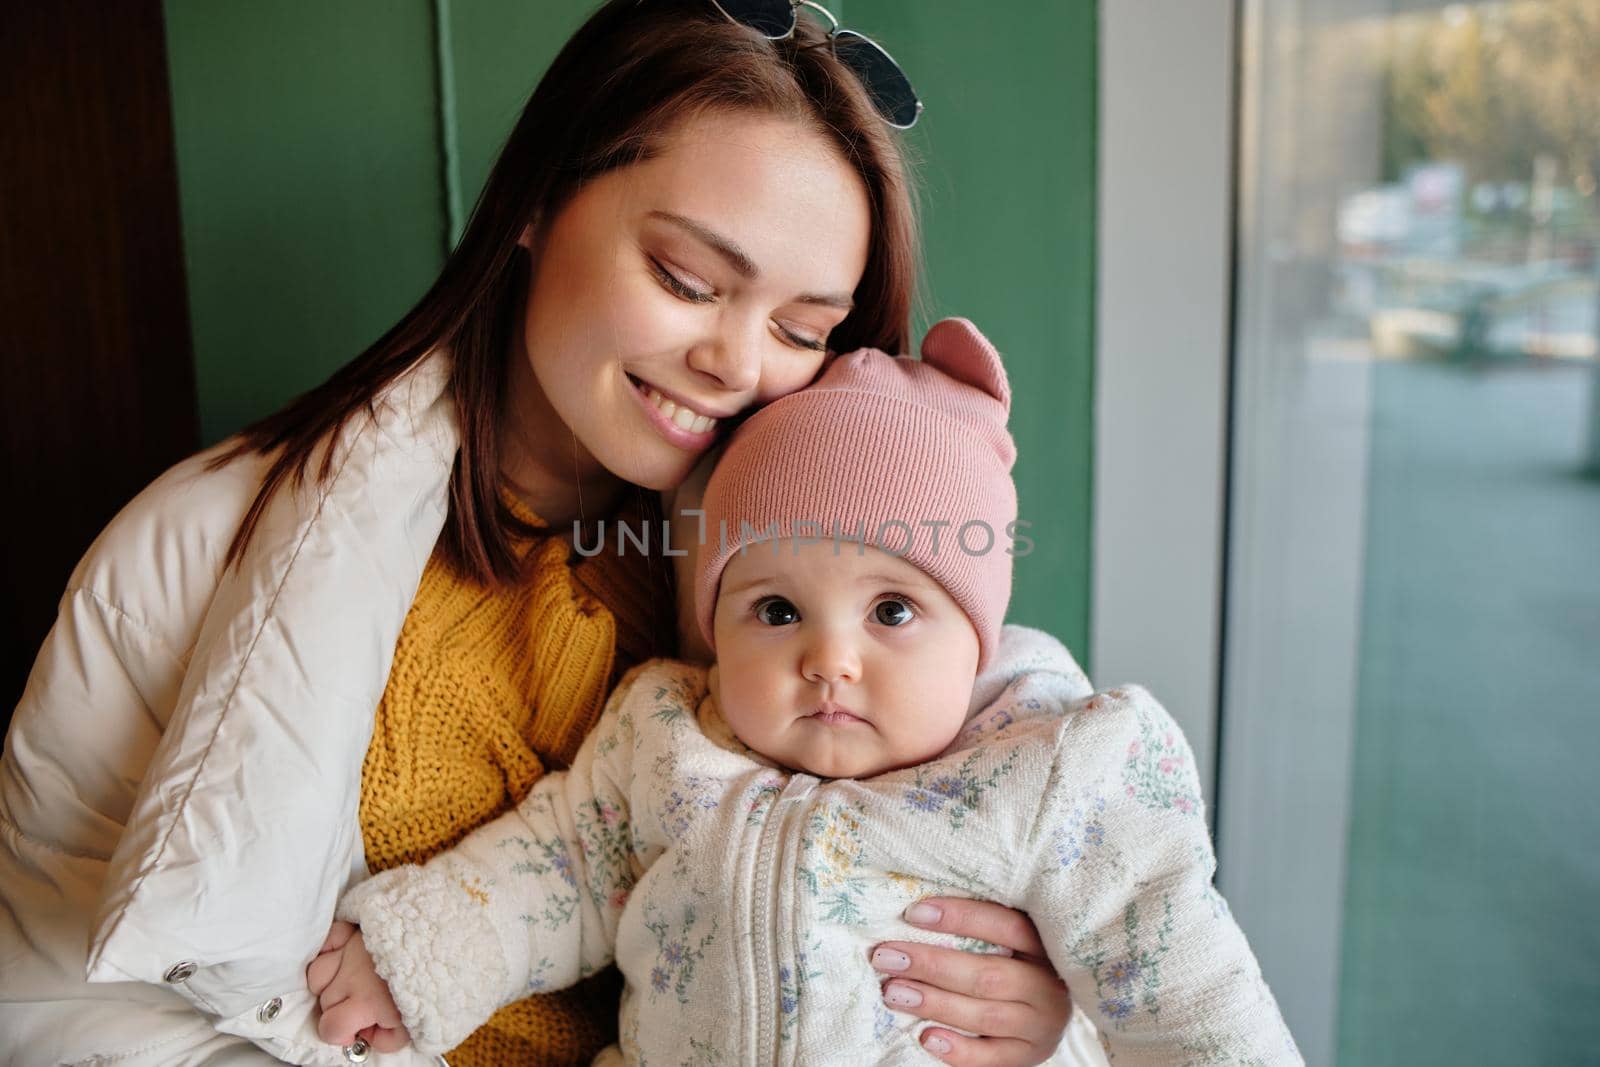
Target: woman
x,y
687,217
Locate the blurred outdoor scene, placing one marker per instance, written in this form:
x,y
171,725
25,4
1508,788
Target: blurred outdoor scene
x,y
1479,242
1415,512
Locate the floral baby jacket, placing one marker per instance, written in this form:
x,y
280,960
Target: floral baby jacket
x,y
741,900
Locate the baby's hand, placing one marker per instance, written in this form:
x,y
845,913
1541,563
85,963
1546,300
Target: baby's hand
x,y
355,1001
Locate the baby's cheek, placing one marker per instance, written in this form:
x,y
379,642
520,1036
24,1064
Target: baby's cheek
x,y
926,736
942,718
745,716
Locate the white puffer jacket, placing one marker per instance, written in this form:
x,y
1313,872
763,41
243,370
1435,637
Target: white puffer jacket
x,y
178,794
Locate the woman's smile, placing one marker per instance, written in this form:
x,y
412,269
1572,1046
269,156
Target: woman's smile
x,y
681,424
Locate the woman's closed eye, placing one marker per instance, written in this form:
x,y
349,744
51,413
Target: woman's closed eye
x,y
682,286
800,340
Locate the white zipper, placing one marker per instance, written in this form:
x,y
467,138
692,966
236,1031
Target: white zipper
x,y
763,925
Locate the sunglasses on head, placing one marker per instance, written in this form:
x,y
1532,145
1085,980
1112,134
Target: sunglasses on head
x,y
885,82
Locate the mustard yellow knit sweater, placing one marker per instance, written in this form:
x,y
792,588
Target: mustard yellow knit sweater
x,y
490,687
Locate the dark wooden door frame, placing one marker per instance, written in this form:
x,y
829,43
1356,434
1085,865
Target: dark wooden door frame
x,y
95,353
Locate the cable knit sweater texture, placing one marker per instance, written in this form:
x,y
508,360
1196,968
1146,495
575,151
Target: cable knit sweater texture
x,y
741,899
490,687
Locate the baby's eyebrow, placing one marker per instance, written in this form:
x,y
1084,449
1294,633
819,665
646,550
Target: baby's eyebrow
x,y
744,587
898,579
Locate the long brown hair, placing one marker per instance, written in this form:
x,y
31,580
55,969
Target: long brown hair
x,y
631,73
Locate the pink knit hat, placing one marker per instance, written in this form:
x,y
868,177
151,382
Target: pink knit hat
x,y
906,456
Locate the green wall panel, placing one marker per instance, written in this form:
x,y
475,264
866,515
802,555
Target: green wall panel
x,y
498,51
309,175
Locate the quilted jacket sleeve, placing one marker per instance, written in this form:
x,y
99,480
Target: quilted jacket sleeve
x,y
95,689
527,903
1121,891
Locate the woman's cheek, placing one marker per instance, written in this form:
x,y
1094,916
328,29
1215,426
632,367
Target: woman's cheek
x,y
650,321
780,377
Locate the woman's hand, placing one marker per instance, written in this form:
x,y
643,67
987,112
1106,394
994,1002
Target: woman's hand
x,y
1015,1001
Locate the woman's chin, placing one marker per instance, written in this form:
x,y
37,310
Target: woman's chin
x,y
663,471
656,479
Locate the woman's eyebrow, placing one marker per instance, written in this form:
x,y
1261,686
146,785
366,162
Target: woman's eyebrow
x,y
742,263
721,245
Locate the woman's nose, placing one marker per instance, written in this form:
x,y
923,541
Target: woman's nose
x,y
732,357
831,658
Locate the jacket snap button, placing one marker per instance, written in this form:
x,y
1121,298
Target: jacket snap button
x,y
269,1011
356,1053
179,972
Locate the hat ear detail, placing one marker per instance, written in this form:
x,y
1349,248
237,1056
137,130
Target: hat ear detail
x,y
956,347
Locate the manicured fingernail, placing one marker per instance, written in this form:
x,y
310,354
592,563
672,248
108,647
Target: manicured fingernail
x,y
937,1045
923,914
901,996
887,959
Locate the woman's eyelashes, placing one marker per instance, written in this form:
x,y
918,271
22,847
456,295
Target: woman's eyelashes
x,y
708,295
678,286
814,344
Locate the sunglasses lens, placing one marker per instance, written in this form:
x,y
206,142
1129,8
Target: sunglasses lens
x,y
772,19
886,83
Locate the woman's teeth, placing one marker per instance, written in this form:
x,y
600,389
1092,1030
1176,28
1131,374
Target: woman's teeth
x,y
681,417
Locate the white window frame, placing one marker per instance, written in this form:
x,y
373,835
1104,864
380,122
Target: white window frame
x,y
1168,159
1161,354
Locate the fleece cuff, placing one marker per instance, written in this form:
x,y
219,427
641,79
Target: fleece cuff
x,y
433,943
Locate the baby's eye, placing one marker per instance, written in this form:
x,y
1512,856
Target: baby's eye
x,y
776,611
893,612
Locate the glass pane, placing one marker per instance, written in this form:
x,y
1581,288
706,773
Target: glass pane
x,y
1414,588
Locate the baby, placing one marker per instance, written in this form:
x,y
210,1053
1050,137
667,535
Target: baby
x,y
737,839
